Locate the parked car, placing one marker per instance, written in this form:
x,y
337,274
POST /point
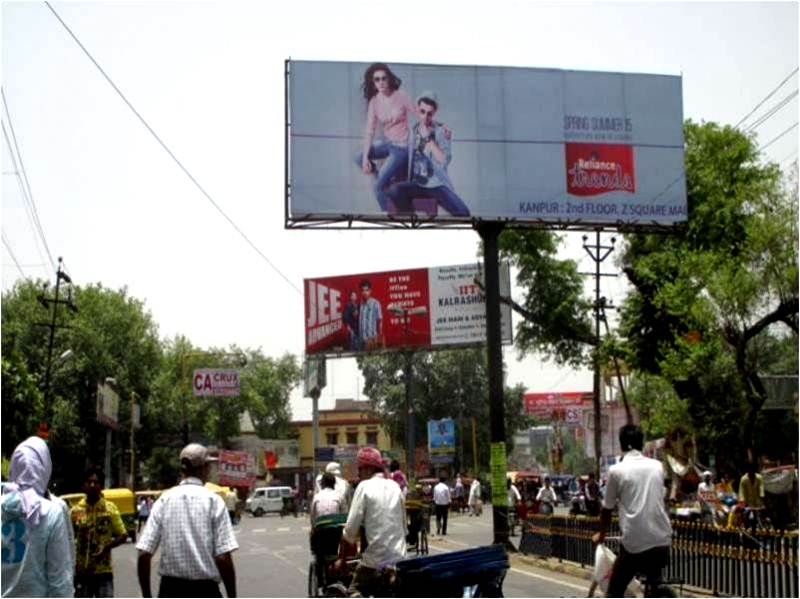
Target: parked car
x,y
267,499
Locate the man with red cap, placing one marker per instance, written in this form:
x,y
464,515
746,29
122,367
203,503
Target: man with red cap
x,y
378,505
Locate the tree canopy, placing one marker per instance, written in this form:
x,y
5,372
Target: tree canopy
x,y
708,301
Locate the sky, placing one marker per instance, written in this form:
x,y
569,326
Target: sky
x,y
208,79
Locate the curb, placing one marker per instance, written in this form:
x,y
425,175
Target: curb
x,y
574,569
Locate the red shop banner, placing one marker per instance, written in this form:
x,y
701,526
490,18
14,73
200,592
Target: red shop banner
x,y
236,469
544,404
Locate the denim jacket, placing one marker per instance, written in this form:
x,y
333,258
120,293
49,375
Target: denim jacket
x,y
439,170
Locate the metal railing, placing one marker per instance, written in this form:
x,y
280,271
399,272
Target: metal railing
x,y
722,561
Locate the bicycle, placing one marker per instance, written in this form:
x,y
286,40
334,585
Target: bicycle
x,y
656,585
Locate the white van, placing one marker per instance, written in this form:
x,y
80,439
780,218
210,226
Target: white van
x,y
267,499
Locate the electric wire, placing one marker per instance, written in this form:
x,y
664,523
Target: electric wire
x,y
168,151
772,112
13,257
26,202
25,177
774,139
769,95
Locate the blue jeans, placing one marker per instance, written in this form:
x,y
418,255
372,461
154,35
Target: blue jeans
x,y
402,195
395,164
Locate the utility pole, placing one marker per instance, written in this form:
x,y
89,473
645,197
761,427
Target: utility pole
x,y
54,302
598,253
134,425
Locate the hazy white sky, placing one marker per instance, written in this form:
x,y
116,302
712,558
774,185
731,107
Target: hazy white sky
x,y
208,77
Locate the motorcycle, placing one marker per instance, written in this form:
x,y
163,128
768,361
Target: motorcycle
x,y
577,504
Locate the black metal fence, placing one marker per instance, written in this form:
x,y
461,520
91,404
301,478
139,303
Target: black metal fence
x,y
726,562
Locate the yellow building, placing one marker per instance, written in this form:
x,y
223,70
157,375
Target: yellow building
x,y
349,425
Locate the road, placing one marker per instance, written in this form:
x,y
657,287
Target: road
x,y
273,557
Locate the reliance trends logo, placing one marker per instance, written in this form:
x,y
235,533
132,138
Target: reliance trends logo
x,y
593,169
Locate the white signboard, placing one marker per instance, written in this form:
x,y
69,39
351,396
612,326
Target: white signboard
x,y
427,143
458,306
215,382
107,406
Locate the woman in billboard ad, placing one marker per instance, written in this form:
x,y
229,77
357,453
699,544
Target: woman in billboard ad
x,y
390,107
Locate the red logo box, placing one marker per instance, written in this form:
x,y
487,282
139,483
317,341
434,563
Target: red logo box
x,y
593,169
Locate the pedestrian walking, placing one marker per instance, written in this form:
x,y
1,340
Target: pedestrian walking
x,y
98,529
193,529
475,502
441,500
142,512
37,556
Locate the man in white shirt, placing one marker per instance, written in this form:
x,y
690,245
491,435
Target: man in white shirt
x,y
636,487
547,498
513,499
474,501
328,501
441,501
192,526
378,505
342,486
707,495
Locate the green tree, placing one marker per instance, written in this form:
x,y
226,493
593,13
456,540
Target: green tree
x,y
111,335
445,384
707,299
555,314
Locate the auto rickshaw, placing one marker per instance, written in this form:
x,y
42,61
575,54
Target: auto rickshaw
x,y
124,499
72,499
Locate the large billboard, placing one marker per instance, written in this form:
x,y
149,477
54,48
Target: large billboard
x,y
415,308
432,144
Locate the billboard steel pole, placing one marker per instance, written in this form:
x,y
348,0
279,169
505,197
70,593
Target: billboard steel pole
x,y
490,233
410,420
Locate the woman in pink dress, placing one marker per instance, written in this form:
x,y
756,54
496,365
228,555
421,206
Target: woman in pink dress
x,y
390,107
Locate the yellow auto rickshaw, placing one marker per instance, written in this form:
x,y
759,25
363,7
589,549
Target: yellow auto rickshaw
x,y
72,499
123,498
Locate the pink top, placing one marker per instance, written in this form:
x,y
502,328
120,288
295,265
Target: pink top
x,y
392,112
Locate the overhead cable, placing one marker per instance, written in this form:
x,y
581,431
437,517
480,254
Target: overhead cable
x,y
13,257
771,112
29,210
30,199
774,139
769,95
168,151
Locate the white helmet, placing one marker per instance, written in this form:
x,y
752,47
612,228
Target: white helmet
x,y
334,468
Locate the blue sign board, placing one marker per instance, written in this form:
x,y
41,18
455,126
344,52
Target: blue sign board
x,y
441,436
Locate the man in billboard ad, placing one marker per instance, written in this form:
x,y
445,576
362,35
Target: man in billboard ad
x,y
370,319
428,157
541,146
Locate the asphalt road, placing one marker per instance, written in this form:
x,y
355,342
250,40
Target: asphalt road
x,y
273,557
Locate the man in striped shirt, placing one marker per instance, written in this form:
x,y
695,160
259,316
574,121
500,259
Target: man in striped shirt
x,y
192,526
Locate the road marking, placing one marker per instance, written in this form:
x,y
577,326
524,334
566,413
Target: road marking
x,y
285,559
517,570
259,530
284,529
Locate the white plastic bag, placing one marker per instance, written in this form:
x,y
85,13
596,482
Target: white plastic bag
x,y
604,560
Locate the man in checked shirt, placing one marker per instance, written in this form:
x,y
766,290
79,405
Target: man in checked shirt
x,y
193,528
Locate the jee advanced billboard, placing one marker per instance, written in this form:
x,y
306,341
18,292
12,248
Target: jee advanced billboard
x,y
415,308
447,144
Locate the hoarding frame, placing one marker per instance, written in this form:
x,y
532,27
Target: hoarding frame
x,y
330,354
363,222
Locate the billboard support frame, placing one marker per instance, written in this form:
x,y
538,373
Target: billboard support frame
x,y
490,234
